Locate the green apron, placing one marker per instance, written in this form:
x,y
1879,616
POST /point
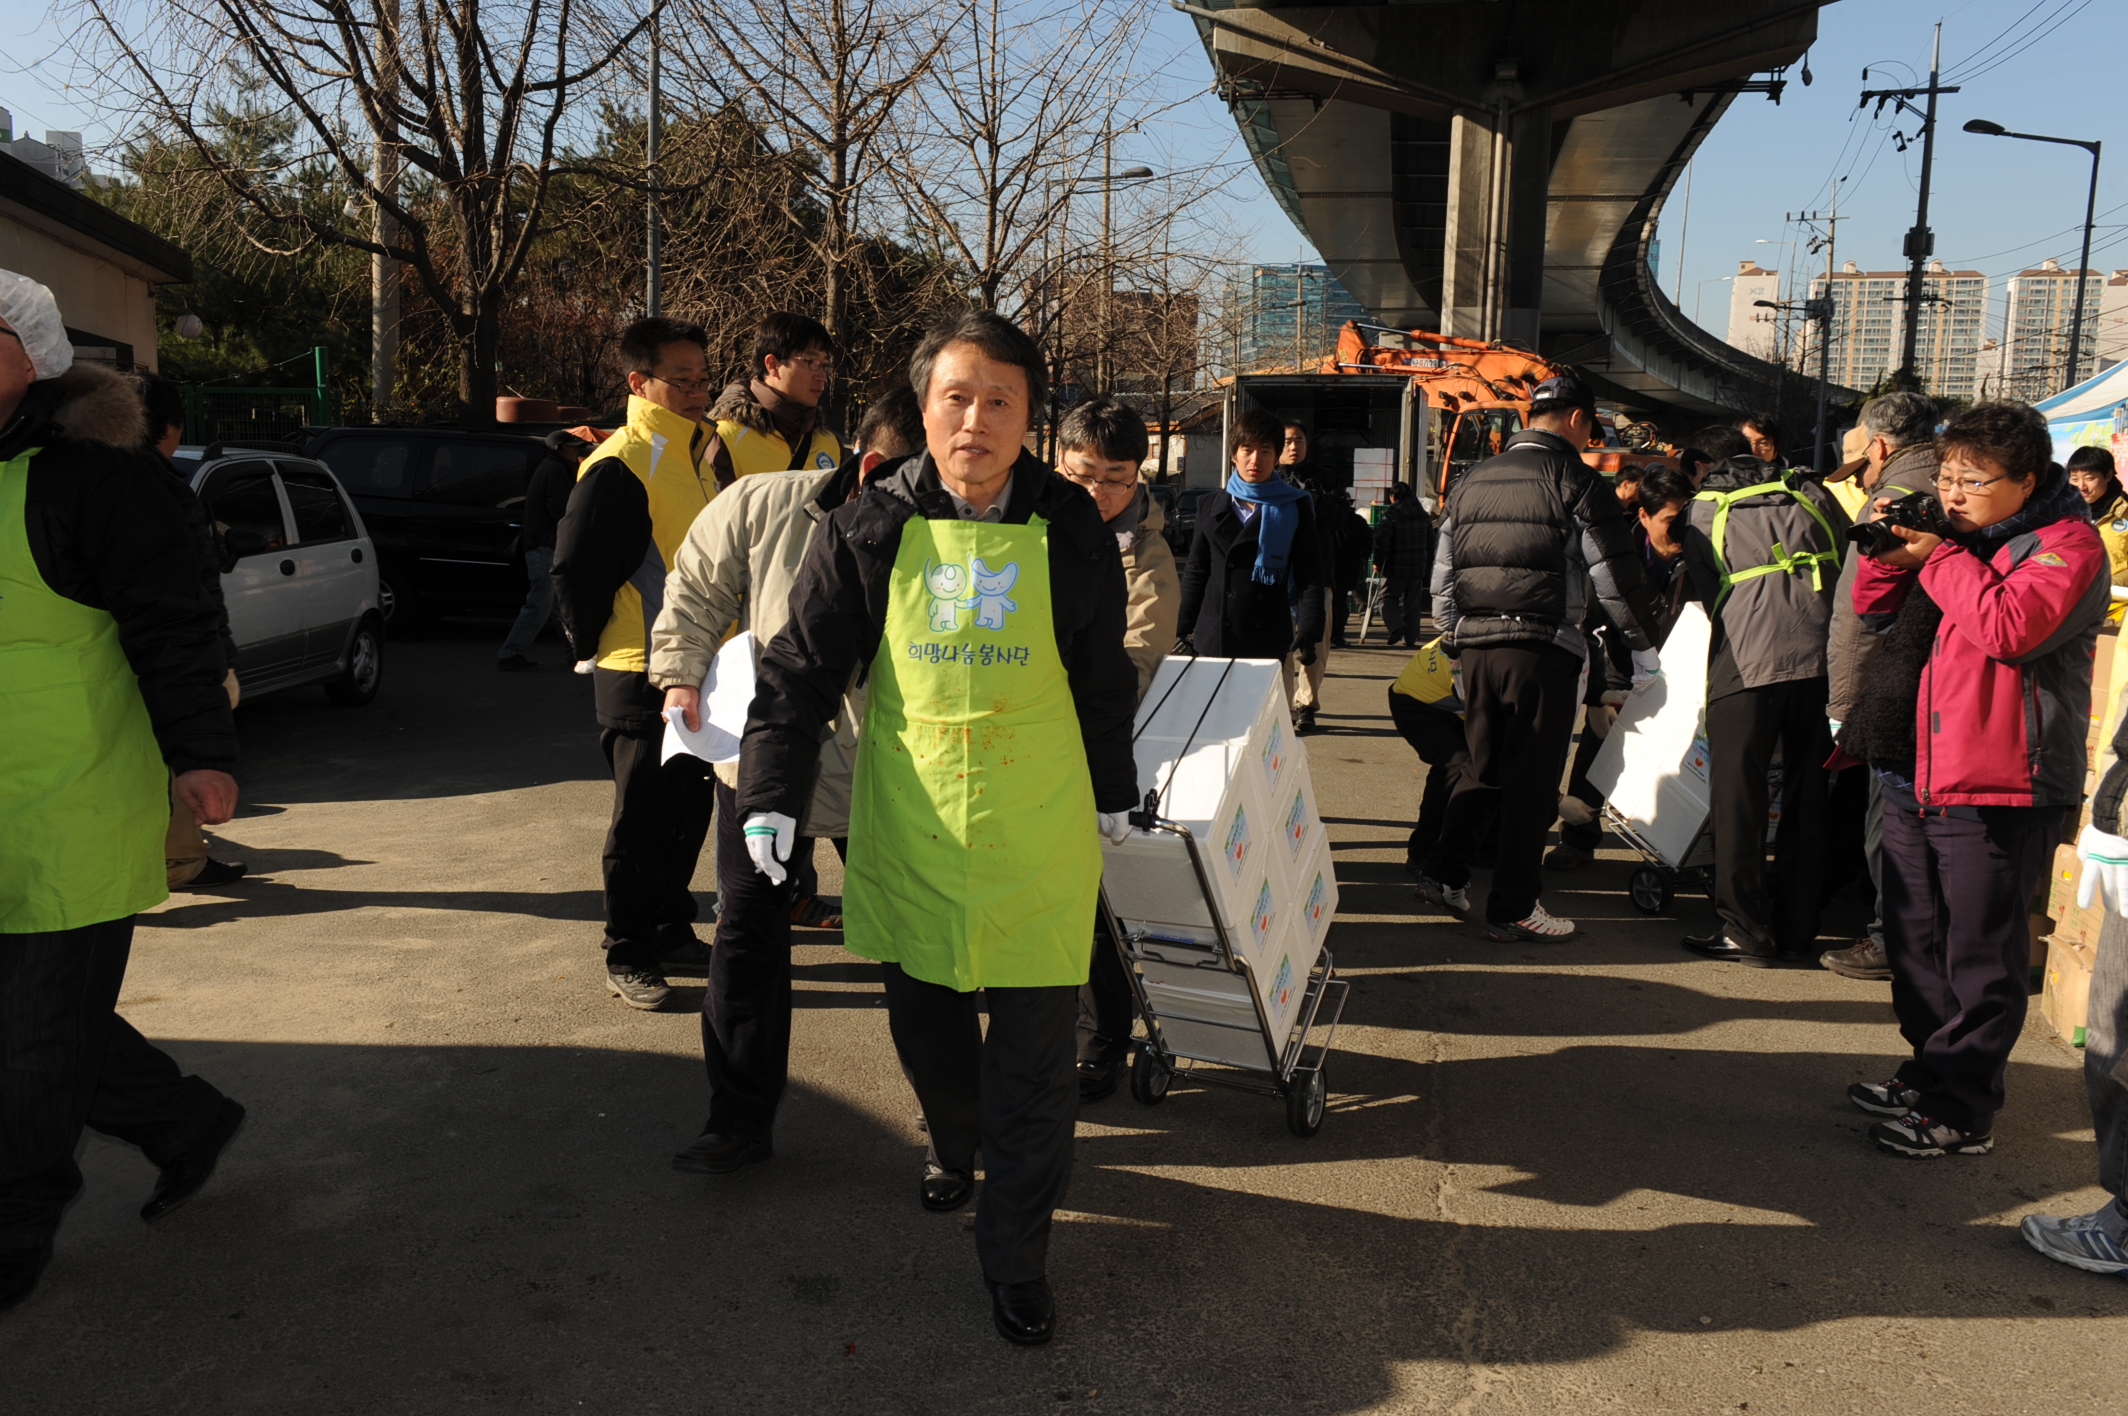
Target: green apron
x,y
974,858
84,797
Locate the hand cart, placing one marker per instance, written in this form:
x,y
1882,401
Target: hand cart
x,y
1653,886
1373,606
1201,1001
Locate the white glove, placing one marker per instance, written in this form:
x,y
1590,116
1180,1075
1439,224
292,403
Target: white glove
x,y
768,840
1115,825
1647,667
2105,859
585,666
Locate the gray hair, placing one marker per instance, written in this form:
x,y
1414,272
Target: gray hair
x,y
1901,419
997,337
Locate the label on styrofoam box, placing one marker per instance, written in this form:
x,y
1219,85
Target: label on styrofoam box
x,y
1271,758
1279,992
1299,825
1318,904
1263,915
1238,841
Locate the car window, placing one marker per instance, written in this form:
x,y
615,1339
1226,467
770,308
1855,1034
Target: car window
x,y
319,512
377,467
242,498
480,474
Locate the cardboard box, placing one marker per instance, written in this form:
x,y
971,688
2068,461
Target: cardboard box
x,y
2065,999
2072,924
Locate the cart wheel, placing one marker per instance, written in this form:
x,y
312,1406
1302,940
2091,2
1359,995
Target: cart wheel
x,y
1305,1101
1150,1074
1650,890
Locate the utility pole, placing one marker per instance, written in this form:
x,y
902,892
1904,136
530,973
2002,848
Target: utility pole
x,y
383,270
654,235
1920,242
1821,310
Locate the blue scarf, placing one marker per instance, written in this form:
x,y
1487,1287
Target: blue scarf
x,y
1277,502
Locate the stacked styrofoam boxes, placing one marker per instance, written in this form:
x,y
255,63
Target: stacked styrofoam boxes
x,y
1214,740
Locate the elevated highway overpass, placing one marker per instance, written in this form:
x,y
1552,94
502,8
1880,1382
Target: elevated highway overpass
x,y
1495,168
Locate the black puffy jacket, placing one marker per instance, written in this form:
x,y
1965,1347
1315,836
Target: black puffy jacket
x,y
839,609
1528,537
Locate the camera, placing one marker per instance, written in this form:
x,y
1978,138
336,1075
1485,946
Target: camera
x,y
1917,511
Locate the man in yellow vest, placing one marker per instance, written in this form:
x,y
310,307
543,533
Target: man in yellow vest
x,y
770,421
111,668
984,599
636,495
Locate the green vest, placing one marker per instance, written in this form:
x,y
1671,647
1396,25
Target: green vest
x,y
84,795
975,860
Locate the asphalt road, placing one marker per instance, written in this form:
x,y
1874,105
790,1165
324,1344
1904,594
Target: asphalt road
x,y
1597,1176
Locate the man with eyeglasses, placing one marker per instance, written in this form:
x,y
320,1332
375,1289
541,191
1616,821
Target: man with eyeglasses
x,y
770,420
1101,446
635,498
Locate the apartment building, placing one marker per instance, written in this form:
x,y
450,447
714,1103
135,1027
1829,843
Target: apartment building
x,y
2036,333
1869,327
1751,329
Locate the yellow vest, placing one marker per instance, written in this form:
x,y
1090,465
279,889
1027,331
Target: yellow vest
x,y
753,452
1430,678
664,450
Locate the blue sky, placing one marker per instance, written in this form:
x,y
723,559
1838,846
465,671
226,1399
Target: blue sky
x,y
1999,206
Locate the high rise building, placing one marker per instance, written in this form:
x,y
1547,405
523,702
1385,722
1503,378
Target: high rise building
x,y
1751,329
1291,314
2113,320
2036,334
1869,328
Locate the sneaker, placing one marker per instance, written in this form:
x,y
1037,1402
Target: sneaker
x,y
1540,926
1916,1135
516,664
1455,898
1566,858
1303,722
817,912
2081,1240
1892,1098
639,988
1865,961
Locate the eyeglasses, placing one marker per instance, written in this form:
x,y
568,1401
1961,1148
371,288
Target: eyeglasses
x,y
1972,486
684,385
1099,484
816,363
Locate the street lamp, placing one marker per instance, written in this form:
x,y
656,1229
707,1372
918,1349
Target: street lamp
x,y
2083,265
1819,309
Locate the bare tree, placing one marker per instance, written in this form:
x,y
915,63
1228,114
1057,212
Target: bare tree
x,y
823,78
470,102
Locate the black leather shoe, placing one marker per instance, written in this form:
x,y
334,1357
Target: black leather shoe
x,y
1097,1079
1025,1313
184,1177
1721,946
714,1153
683,954
217,873
945,1190
19,1271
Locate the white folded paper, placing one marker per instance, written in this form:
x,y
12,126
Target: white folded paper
x,y
726,695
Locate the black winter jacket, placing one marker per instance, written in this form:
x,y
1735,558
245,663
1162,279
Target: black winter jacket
x,y
1225,612
546,499
1403,541
1527,538
107,529
839,609
598,545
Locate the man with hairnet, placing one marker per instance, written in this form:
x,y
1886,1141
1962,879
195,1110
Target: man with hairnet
x,y
111,668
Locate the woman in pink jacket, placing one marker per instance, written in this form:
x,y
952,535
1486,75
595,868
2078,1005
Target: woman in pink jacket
x,y
1973,717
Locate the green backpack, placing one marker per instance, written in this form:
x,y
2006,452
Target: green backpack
x,y
1783,562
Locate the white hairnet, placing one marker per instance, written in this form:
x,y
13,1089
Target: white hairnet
x,y
33,314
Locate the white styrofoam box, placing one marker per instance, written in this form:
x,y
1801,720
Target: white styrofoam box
x,y
1282,979
1180,995
1652,767
1151,886
1300,826
1315,894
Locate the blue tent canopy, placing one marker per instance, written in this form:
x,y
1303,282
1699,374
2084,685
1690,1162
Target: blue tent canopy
x,y
2088,414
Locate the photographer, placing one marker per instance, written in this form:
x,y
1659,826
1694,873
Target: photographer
x,y
1973,718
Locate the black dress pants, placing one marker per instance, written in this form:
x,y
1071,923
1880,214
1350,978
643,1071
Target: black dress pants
x,y
1520,701
1012,1091
660,819
1956,896
68,1060
1405,601
1437,736
1106,1004
1743,730
1589,837
746,1008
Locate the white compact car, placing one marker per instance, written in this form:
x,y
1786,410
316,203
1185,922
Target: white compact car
x,y
302,595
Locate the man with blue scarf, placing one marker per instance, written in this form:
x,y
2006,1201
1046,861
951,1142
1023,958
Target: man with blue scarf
x,y
1255,558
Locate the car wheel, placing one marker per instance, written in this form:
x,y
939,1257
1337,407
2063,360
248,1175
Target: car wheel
x,y
364,675
387,602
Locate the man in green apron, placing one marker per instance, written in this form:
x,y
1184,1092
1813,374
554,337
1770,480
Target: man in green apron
x,y
984,601
111,668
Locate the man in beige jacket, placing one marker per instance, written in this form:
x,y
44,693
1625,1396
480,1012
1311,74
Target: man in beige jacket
x,y
1101,445
734,572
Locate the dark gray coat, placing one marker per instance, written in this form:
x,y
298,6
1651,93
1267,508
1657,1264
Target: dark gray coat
x,y
1775,625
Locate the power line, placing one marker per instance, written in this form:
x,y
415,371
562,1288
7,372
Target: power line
x,y
1980,54
2055,24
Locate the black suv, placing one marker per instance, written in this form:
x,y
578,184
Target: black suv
x,y
445,509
